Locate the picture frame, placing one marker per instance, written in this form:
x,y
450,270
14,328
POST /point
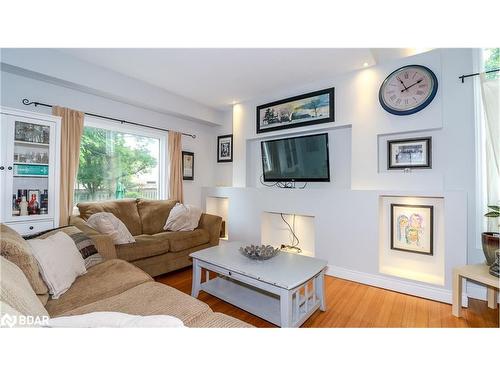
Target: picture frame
x,y
307,109
409,153
412,228
187,165
225,148
37,195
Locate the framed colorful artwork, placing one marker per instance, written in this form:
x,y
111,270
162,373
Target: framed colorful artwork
x,y
308,109
412,228
409,153
187,165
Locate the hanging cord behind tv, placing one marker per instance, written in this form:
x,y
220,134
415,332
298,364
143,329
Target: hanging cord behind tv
x,y
293,246
282,184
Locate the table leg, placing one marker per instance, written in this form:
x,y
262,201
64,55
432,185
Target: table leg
x,y
286,308
456,308
492,298
319,285
195,289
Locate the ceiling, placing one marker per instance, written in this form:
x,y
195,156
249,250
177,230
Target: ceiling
x,y
221,77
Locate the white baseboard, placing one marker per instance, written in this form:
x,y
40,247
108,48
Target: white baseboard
x,y
398,285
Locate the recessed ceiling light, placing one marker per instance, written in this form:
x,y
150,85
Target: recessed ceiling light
x,y
365,64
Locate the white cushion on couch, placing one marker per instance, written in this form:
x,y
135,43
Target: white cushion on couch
x,y
107,223
183,218
106,319
59,261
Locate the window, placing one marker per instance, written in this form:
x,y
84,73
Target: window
x,y
120,161
487,177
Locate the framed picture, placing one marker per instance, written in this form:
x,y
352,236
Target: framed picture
x,y
308,109
33,192
409,153
187,165
412,228
225,148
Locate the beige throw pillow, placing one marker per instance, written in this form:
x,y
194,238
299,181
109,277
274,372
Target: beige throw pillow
x,y
59,261
109,224
183,218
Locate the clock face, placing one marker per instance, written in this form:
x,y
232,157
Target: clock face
x,y
408,90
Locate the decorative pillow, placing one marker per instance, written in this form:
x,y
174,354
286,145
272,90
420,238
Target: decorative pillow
x,y
84,243
16,291
183,218
59,260
109,224
15,249
106,319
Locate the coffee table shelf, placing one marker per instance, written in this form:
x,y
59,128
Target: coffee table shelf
x,y
285,290
265,305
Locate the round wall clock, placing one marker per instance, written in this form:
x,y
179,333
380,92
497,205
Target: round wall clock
x,y
408,90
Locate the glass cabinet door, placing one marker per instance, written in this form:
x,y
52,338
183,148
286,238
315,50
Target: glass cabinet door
x,y
30,168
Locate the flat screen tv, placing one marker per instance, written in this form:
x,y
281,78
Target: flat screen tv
x,y
302,159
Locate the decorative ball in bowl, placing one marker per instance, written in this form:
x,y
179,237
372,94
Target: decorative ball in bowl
x,y
259,252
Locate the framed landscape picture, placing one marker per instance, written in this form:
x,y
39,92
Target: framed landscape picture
x,y
308,109
412,228
187,165
409,153
225,148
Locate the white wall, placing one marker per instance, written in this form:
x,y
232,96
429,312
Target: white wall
x,y
15,87
66,70
337,209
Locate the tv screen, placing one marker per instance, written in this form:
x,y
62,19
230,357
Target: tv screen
x,y
300,159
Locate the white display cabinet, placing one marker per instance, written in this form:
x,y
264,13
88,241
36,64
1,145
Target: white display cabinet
x,y
29,168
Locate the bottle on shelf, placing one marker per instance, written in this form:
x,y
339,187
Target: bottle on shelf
x,y
23,206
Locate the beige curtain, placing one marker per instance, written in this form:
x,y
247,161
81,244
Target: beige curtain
x,y
490,92
175,168
71,134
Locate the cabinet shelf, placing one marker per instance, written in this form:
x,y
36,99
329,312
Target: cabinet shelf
x,y
31,175
32,144
42,164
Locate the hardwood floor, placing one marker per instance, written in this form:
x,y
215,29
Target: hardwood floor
x,y
350,304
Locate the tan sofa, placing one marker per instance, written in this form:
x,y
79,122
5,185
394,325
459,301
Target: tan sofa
x,y
113,285
155,250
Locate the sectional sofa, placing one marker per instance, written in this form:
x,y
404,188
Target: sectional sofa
x,y
113,285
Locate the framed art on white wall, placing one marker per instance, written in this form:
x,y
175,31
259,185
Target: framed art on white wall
x,y
412,228
409,153
225,148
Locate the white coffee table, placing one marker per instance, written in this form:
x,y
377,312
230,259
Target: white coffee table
x,y
284,290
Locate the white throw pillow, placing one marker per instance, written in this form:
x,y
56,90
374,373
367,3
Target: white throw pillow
x,y
114,320
107,223
183,218
59,260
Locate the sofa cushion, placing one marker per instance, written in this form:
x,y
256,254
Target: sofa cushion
x,y
15,249
150,298
185,240
101,281
153,214
218,320
16,291
145,246
85,245
123,209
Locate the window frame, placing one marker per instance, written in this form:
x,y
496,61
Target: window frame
x,y
143,132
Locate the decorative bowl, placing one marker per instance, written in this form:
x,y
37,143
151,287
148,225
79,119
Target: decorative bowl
x,y
259,252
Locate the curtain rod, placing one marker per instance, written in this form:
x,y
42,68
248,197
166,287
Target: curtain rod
x,y
27,102
462,77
